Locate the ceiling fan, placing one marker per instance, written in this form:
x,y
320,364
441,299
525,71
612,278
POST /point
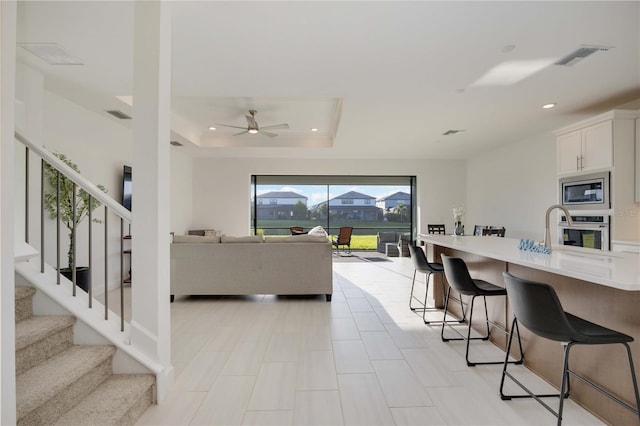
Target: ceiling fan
x,y
253,128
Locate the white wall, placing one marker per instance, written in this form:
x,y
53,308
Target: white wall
x,y
440,186
100,147
513,186
181,190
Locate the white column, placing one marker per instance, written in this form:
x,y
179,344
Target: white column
x,y
7,282
150,325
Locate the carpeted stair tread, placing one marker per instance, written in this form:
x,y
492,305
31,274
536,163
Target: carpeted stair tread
x,y
23,300
41,383
121,399
36,328
23,292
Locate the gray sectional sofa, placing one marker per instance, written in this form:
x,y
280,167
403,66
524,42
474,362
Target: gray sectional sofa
x,y
223,265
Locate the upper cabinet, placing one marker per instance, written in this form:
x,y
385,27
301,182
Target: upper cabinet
x,y
586,149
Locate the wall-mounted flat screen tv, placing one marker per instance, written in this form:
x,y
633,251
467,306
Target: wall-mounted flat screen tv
x,y
126,188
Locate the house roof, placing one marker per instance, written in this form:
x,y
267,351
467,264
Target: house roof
x,y
353,195
281,194
400,195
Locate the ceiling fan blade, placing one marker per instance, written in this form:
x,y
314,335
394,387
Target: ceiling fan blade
x,y
241,133
227,125
252,122
276,126
271,135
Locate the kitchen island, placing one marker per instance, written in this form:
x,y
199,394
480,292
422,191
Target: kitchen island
x,y
602,287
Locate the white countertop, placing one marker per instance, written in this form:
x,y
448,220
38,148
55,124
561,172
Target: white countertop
x,y
612,269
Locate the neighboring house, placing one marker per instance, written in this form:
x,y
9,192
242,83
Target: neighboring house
x,y
281,205
390,202
351,206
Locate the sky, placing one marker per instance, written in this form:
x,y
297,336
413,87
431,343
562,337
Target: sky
x,y
318,193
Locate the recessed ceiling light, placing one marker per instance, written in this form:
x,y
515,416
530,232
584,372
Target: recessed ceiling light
x,y
51,53
314,130
212,128
547,106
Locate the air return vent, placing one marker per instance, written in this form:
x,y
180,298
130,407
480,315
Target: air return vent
x,y
582,52
452,132
119,114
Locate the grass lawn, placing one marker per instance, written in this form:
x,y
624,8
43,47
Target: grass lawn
x,y
363,242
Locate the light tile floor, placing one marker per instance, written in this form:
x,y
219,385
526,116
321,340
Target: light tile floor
x,y
363,359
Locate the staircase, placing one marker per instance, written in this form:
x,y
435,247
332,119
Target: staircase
x,y
60,383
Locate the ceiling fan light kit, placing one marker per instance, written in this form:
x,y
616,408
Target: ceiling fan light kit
x,y
253,127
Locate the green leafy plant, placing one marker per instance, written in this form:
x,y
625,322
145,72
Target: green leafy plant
x,y
67,217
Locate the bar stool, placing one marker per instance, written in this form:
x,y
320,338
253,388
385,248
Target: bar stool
x,y
537,307
459,279
421,264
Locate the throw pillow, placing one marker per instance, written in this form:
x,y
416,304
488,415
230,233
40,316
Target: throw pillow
x,y
318,230
212,233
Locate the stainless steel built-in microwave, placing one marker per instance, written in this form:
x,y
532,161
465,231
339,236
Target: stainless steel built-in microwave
x,y
585,192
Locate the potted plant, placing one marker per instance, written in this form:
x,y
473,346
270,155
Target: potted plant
x,y
66,212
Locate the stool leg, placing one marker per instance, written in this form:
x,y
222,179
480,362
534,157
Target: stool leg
x,y
514,324
426,295
444,319
565,381
486,316
464,315
633,379
470,364
413,283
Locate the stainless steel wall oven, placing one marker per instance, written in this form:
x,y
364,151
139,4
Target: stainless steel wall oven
x,y
588,231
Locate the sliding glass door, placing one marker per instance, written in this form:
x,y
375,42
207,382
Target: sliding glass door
x,y
368,204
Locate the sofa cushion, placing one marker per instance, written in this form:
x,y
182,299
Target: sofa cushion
x,y
303,238
245,239
195,239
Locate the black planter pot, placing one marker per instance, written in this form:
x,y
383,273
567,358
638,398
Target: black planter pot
x,y
82,276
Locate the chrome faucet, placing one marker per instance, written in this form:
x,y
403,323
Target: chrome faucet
x,y
547,235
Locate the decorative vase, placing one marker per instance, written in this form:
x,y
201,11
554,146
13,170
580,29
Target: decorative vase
x,y
458,227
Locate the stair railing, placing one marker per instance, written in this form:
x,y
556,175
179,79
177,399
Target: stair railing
x,y
110,207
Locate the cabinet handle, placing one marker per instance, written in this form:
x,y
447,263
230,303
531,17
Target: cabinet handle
x,y
577,163
581,162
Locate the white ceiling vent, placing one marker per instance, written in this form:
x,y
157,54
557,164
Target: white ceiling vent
x,y
582,52
451,132
175,143
119,114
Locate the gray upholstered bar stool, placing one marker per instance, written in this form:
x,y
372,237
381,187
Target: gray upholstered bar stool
x,y
421,264
459,279
537,307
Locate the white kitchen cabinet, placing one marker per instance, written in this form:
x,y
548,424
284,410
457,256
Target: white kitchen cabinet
x,y
586,149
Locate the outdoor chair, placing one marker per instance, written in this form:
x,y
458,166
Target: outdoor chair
x,y
296,230
344,239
